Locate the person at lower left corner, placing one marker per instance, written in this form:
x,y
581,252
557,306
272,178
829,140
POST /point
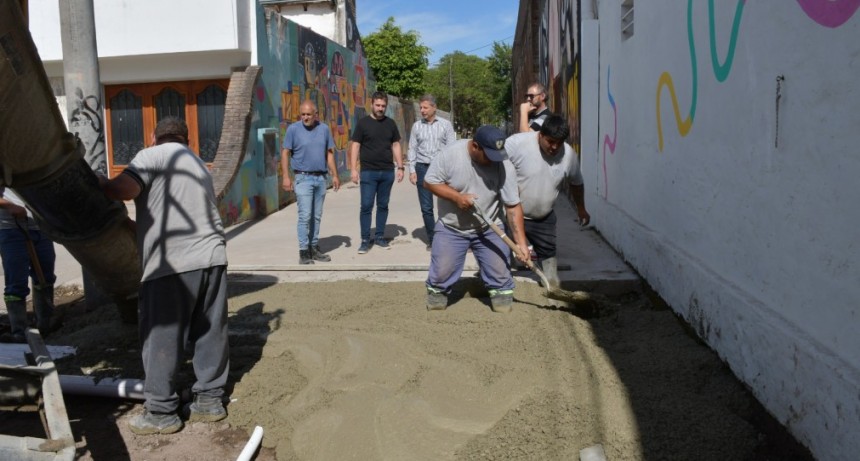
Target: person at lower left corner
x,y
309,146
474,173
18,229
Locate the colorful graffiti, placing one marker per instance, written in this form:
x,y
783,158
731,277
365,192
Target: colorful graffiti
x,y
559,61
828,13
721,71
298,64
607,142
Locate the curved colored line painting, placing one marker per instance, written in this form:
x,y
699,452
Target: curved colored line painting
x,y
828,13
607,142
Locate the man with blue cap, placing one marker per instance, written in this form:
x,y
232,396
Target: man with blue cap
x,y
474,172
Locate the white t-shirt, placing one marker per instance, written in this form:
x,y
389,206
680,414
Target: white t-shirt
x,y
540,176
178,225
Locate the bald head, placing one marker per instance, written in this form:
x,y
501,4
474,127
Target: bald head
x,y
308,113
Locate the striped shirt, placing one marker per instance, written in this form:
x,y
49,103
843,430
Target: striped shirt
x,y
428,139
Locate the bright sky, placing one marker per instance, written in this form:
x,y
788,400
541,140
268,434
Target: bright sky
x,y
470,26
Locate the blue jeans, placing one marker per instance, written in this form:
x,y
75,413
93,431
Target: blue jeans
x,y
310,196
448,257
425,200
17,268
375,186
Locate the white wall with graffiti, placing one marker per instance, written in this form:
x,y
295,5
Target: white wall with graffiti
x,y
720,146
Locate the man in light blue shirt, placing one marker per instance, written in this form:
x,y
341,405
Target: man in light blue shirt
x,y
429,136
311,146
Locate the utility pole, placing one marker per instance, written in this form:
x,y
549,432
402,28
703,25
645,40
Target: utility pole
x,y
82,81
83,101
451,85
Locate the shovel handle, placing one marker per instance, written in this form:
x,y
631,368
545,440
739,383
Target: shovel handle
x,y
480,215
528,261
31,251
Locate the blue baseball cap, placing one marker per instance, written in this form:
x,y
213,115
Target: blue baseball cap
x,y
492,140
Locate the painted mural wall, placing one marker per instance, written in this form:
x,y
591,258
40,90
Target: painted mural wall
x,y
299,64
720,151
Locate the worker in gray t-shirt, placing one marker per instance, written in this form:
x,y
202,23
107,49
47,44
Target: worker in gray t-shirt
x,y
183,293
543,160
473,173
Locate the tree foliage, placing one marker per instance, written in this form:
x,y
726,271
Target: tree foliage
x,y
480,88
398,60
500,67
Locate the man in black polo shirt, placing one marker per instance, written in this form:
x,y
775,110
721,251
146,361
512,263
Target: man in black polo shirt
x,y
376,146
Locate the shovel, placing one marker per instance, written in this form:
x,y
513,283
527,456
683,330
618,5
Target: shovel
x,y
551,292
34,259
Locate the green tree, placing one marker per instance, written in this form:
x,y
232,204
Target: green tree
x,y
470,80
500,67
398,60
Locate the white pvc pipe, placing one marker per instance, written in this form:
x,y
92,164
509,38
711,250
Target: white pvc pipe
x,y
106,387
251,446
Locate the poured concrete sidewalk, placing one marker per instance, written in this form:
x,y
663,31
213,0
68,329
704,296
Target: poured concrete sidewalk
x,y
266,250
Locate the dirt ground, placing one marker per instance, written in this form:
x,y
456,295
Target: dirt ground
x,y
360,370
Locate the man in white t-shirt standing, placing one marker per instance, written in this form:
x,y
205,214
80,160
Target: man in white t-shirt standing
x,y
543,161
183,292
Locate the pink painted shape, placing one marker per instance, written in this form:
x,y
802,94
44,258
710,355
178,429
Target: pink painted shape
x,y
829,13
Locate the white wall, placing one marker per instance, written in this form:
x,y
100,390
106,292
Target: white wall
x,y
319,17
157,29
753,243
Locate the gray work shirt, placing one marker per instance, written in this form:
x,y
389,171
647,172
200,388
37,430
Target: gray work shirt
x,y
540,177
454,167
178,225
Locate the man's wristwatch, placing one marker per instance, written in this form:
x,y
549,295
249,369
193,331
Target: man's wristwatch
x,y
401,168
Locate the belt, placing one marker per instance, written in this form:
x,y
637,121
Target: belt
x,y
312,173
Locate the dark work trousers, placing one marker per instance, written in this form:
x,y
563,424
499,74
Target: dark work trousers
x,y
175,310
541,235
425,200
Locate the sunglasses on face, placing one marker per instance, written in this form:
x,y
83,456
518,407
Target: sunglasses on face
x,y
532,95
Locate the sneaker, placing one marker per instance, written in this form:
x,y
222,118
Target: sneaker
x,y
382,243
305,257
318,255
502,303
205,409
430,246
437,301
155,423
365,246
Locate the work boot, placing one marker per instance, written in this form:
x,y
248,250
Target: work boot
x,y
155,423
17,310
437,301
549,266
43,305
502,301
305,257
318,255
206,409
